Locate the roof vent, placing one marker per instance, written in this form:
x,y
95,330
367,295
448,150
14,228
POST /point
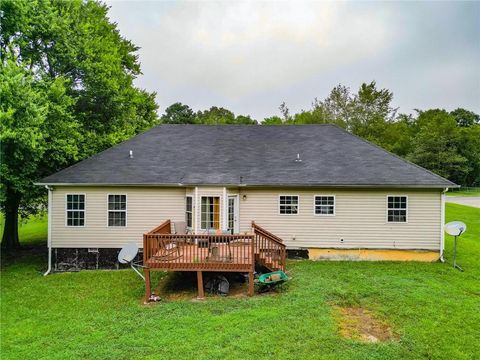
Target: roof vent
x,y
298,158
130,154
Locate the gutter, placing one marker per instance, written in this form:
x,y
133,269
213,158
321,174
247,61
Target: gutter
x,y
442,224
366,186
50,193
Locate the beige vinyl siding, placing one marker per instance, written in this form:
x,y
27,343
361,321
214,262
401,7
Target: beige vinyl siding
x,y
146,208
360,219
360,216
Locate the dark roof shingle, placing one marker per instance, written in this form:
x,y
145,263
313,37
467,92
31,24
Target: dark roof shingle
x,y
250,155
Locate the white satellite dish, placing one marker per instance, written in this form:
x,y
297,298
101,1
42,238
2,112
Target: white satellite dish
x,y
128,253
455,228
126,256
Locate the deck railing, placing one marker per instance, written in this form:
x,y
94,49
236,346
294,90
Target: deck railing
x,y
189,252
163,228
269,248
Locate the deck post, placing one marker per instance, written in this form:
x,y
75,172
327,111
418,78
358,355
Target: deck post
x,y
148,292
250,283
201,294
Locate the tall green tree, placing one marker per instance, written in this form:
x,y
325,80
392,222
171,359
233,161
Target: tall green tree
x,y
178,113
75,73
436,145
465,118
221,116
469,148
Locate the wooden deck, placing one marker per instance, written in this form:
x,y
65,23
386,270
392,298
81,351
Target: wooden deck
x,y
164,251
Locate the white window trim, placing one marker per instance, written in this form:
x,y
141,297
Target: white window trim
x,y
84,211
186,223
334,205
298,204
386,210
126,211
236,214
219,213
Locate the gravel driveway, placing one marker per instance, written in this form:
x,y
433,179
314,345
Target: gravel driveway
x,y
464,200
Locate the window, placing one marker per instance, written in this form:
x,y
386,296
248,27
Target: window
x,y
189,211
210,217
325,205
396,208
288,204
117,210
75,209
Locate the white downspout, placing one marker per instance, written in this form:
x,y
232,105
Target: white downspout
x,y
49,219
442,225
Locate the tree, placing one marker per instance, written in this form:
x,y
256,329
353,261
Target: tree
x,y
465,118
245,120
221,116
73,74
37,134
178,113
436,143
469,148
215,116
273,120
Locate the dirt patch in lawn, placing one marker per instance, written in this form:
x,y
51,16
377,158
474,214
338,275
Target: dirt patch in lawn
x,y
361,324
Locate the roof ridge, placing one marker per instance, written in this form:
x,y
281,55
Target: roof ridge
x,y
243,125
392,154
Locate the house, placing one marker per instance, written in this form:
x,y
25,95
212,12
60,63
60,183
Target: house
x,y
316,190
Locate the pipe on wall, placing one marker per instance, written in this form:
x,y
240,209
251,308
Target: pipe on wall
x,y
442,224
49,219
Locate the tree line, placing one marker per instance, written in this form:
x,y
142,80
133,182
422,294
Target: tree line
x,y
67,92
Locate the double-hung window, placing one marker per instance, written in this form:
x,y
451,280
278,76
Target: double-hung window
x,y
397,209
325,205
189,211
288,204
117,210
75,209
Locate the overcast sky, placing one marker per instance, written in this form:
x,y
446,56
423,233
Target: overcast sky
x,y
251,56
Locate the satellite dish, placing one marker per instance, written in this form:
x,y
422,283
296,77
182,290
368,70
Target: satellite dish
x,y
128,253
455,228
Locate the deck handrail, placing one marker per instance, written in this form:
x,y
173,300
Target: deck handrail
x,y
191,252
257,228
270,248
164,250
163,228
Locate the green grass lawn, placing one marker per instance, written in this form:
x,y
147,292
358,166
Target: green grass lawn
x,y
464,193
434,310
32,231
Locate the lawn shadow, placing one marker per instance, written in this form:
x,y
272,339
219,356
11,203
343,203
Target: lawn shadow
x,y
182,285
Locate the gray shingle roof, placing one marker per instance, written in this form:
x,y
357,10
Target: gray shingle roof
x,y
249,155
